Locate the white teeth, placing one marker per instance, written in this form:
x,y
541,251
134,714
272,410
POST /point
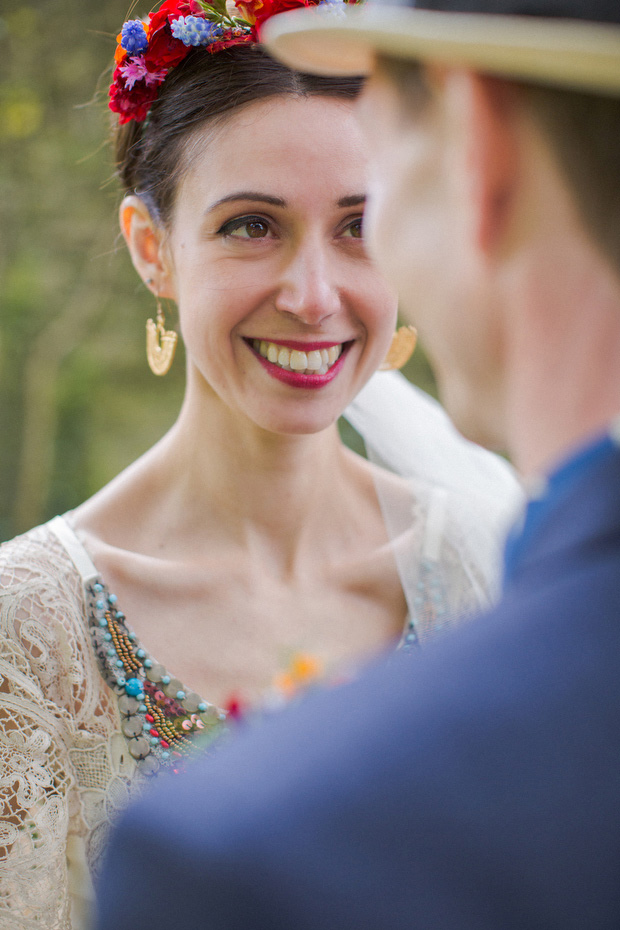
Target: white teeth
x,y
299,360
314,362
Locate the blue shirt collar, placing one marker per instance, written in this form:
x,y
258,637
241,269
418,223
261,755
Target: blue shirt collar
x,y
546,493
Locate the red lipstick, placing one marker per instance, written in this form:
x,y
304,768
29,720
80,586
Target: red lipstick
x,y
294,378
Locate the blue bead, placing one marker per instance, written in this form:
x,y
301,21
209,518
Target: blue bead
x,y
141,653
100,605
97,587
121,616
154,740
221,716
121,680
148,663
146,725
165,679
165,755
133,687
142,708
111,652
180,695
107,637
103,622
119,662
130,636
202,707
112,598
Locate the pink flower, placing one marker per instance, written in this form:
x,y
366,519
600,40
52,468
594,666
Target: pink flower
x,y
136,70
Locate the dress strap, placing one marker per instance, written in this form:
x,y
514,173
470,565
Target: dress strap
x,y
74,548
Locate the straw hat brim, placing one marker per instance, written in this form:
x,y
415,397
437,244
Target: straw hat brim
x,y
335,40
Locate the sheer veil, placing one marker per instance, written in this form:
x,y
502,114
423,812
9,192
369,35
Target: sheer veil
x,y
460,500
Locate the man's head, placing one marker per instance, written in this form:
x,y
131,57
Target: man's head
x,y
495,143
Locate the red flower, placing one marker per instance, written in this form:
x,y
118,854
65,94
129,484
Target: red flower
x,y
164,50
168,10
134,104
229,42
265,9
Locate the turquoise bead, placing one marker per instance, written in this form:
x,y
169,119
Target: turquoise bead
x,y
202,707
180,695
103,621
141,653
112,598
100,605
165,679
133,687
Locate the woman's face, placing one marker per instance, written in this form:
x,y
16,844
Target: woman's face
x,y
283,314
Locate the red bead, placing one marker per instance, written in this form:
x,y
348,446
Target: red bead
x,y
154,732
150,718
164,743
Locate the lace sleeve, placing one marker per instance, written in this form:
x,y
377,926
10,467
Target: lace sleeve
x,y
44,702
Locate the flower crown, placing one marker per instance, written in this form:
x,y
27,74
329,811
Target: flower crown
x,y
149,49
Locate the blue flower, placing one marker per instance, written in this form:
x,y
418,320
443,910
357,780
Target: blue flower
x,y
134,38
193,30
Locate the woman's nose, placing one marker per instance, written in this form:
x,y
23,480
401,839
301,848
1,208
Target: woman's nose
x,y
308,289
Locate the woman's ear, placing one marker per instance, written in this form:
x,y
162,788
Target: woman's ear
x,y
147,246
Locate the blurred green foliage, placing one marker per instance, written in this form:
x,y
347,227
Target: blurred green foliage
x,y
77,401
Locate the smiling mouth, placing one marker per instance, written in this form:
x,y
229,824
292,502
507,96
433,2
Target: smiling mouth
x,y
312,362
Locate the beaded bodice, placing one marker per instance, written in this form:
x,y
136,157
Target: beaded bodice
x,y
161,720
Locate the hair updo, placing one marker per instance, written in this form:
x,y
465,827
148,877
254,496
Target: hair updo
x,y
205,89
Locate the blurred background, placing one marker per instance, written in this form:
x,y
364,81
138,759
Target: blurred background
x,y
77,400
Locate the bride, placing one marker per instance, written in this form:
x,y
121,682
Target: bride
x,y
249,550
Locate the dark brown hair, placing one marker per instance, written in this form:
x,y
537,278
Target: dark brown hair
x,y
203,90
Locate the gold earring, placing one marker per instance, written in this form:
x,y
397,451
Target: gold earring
x,y
160,344
403,344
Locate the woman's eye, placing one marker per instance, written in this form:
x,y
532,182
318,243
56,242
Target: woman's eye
x,y
246,228
354,229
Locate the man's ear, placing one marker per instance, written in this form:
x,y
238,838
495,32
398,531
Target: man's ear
x,y
486,111
147,246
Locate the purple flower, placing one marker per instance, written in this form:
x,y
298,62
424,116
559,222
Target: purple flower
x,y
134,38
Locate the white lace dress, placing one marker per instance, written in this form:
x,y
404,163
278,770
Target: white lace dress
x,y
76,730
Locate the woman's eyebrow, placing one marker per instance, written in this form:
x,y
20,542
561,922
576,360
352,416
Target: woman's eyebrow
x,y
354,200
255,196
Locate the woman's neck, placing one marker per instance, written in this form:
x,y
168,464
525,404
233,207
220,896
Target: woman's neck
x,y
216,474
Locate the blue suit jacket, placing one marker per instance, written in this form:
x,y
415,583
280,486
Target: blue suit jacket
x,y
474,786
